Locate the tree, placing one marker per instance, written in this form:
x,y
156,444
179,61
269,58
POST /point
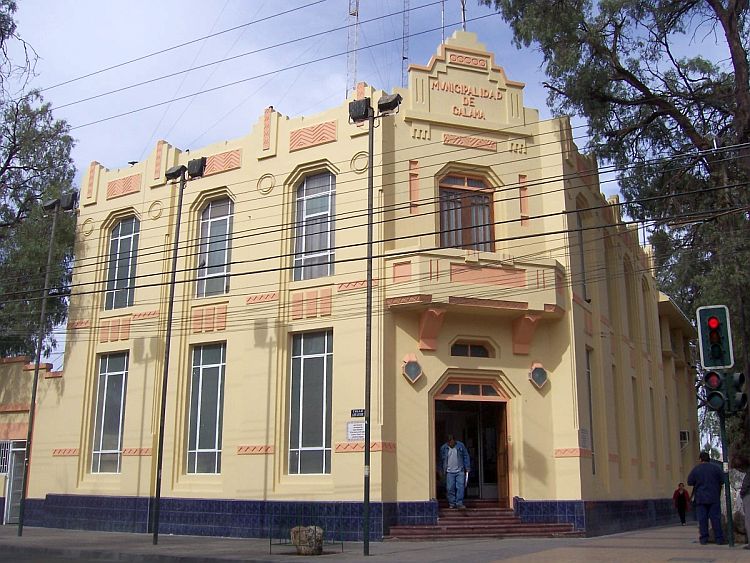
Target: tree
x,y
675,124
35,166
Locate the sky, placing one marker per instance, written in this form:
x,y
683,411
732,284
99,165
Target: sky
x,y
295,62
76,38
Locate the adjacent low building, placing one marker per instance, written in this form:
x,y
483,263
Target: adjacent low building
x,y
512,307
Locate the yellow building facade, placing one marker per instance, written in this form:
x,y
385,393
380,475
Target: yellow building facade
x,y
513,307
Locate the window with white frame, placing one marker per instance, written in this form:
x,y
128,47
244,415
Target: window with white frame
x,y
310,403
206,409
466,214
215,248
123,249
315,225
5,446
110,413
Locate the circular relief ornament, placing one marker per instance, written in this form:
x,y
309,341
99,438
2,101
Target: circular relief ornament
x,y
155,209
266,183
87,227
359,162
538,376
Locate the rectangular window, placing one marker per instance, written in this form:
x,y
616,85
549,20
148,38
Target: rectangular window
x,y
314,236
4,456
310,403
465,215
206,409
523,199
110,413
214,249
123,250
591,409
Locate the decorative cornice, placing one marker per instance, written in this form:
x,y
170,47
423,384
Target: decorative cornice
x,y
492,303
15,407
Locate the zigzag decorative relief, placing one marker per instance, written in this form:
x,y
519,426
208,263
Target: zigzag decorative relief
x,y
79,324
255,450
223,161
471,142
572,452
312,136
145,315
262,298
124,186
267,128
92,172
136,451
65,452
359,284
408,299
157,160
352,447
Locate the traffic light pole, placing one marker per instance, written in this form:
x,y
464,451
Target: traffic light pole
x,y
725,471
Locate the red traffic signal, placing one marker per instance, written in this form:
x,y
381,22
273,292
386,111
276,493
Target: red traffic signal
x,y
714,337
714,384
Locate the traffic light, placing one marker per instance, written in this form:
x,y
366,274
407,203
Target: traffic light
x,y
713,381
715,337
736,396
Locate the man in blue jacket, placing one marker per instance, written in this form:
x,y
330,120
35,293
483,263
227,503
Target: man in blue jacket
x,y
455,466
707,478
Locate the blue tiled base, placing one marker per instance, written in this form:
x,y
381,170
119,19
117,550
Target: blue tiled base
x,y
2,509
597,518
221,517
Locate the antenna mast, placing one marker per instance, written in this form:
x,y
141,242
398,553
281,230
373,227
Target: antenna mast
x,y
352,44
405,47
463,14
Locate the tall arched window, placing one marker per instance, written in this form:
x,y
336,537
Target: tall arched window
x,y
466,214
214,248
314,240
123,250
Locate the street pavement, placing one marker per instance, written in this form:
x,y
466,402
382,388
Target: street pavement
x,y
671,543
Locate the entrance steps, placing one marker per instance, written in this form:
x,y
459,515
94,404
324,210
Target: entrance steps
x,y
480,519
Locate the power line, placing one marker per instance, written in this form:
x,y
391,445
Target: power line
x,y
166,50
242,80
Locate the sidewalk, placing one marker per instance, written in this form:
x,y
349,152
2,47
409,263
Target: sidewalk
x,y
674,543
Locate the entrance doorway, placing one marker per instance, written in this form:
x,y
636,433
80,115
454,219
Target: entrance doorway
x,y
14,482
482,427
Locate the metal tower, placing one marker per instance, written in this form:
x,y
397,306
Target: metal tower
x,y
405,47
352,44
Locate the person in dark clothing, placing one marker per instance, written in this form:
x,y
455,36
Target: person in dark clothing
x,y
707,478
681,499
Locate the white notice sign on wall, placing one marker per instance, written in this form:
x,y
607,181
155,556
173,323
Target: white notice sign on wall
x,y
355,431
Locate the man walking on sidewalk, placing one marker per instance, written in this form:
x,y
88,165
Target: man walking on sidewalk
x,y
455,465
707,478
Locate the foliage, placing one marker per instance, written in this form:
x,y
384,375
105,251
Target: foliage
x,y
673,121
35,166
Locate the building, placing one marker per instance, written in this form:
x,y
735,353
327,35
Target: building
x,y
513,307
